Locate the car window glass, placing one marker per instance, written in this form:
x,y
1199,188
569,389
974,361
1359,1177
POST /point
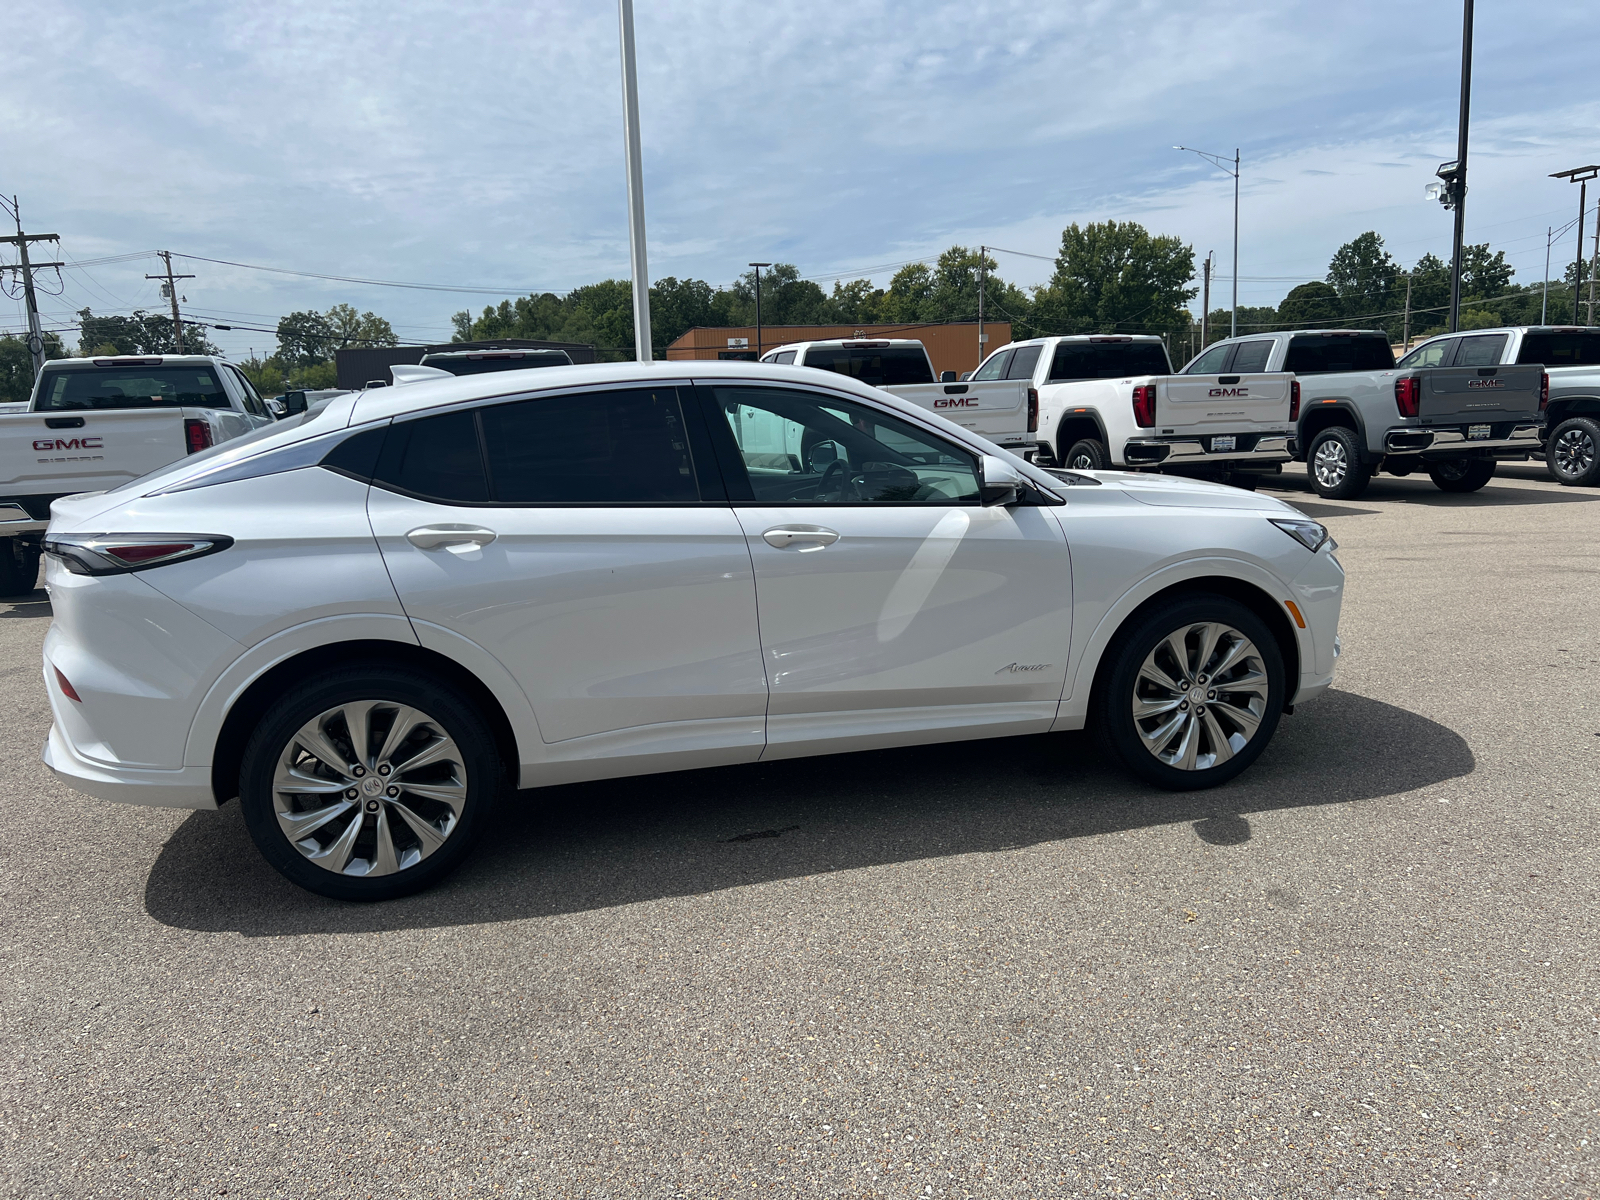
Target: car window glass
x,y
75,388
437,458
1319,355
624,446
995,368
876,366
786,356
1108,360
1482,351
253,402
1560,349
802,448
1431,355
1251,356
1213,362
1023,362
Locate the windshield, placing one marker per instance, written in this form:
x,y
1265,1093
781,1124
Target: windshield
x,y
1561,349
522,361
76,388
888,367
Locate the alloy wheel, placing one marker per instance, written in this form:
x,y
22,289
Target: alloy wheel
x,y
1574,452
1330,463
371,787
1200,696
1082,463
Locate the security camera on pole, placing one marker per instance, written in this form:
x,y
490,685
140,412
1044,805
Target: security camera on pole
x,y
1452,192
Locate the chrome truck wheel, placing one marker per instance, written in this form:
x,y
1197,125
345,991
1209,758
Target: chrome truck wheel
x,y
368,784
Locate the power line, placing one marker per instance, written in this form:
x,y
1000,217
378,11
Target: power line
x,y
422,287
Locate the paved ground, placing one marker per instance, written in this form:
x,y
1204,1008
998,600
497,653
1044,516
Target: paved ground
x,y
997,970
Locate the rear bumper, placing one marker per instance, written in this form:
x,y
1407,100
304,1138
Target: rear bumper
x,y
188,787
1262,448
1519,437
15,519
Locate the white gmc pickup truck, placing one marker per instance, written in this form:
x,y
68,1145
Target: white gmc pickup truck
x,y
1002,408
94,424
1113,401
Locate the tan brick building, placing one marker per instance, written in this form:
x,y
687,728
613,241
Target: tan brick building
x,y
952,347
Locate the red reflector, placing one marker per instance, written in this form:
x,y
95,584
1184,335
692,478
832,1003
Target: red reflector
x,y
197,434
65,685
1033,410
1294,400
1408,395
1144,405
140,554
1544,392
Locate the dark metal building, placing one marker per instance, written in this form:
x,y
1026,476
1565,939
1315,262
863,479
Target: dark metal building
x,y
357,368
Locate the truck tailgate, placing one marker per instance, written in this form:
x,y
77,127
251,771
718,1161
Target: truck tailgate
x,y
1223,402
996,409
61,453
1452,395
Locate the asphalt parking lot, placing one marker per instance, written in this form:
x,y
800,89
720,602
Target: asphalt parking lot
x,y
997,969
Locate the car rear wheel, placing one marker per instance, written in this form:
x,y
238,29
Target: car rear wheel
x,y
1333,461
1461,474
1087,455
1573,452
1191,693
367,784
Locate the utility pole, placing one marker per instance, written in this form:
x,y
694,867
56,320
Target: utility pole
x,y
983,252
172,294
1405,337
643,348
758,267
1544,305
26,270
1581,177
1461,164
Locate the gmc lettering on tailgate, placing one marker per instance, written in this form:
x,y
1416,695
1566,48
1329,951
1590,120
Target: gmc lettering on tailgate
x,y
956,402
1239,391
1483,383
88,443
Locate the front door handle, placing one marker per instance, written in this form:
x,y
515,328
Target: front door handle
x,y
803,538
442,537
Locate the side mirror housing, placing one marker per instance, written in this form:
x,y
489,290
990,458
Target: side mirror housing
x,y
293,403
1000,482
947,376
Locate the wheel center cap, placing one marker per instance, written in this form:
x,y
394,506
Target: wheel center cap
x,y
372,786
1197,694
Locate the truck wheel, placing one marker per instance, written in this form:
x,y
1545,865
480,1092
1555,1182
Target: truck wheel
x,y
1461,474
1335,466
1191,693
19,568
1573,452
1087,455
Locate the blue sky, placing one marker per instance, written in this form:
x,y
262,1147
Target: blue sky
x,y
478,143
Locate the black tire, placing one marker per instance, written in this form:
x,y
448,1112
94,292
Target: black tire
x,y
19,568
1333,463
1087,455
1461,474
449,715
1573,452
1120,683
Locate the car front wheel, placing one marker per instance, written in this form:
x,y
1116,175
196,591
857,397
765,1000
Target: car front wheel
x,y
1191,694
367,784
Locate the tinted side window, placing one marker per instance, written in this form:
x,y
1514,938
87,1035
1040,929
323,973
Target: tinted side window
x,y
785,357
875,366
596,447
1023,362
1482,351
995,367
437,458
1251,356
1213,362
1560,349
1433,354
1325,355
1108,360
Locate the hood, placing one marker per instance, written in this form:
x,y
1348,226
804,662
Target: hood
x,y
1174,491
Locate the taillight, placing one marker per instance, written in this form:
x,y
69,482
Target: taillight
x,y
1408,395
117,553
65,684
1144,405
1294,400
1033,410
1544,392
197,433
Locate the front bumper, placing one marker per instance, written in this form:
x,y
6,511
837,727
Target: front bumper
x,y
1263,449
1518,437
188,787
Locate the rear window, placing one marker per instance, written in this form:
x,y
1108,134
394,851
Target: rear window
x,y
1251,356
511,361
1320,355
68,389
1561,349
887,367
1484,351
1108,360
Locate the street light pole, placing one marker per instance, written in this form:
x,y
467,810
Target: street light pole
x,y
1544,305
1581,177
758,267
1461,164
643,349
1221,164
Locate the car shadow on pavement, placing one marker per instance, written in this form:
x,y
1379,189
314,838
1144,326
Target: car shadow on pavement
x,y
598,845
1414,489
29,604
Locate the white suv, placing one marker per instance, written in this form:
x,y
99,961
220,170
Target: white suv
x,y
368,621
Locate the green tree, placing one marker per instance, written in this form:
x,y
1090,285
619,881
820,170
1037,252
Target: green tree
x,y
16,365
347,328
141,333
1483,274
1313,305
304,338
1115,277
855,303
1364,276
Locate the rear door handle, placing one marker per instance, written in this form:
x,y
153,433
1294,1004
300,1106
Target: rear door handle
x,y
803,538
443,537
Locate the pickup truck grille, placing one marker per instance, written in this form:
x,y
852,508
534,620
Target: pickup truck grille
x,y
37,507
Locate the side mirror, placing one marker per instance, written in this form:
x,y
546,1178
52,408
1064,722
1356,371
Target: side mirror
x,y
823,455
294,403
999,481
947,376
965,375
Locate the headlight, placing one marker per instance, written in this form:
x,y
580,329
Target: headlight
x,y
1309,534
